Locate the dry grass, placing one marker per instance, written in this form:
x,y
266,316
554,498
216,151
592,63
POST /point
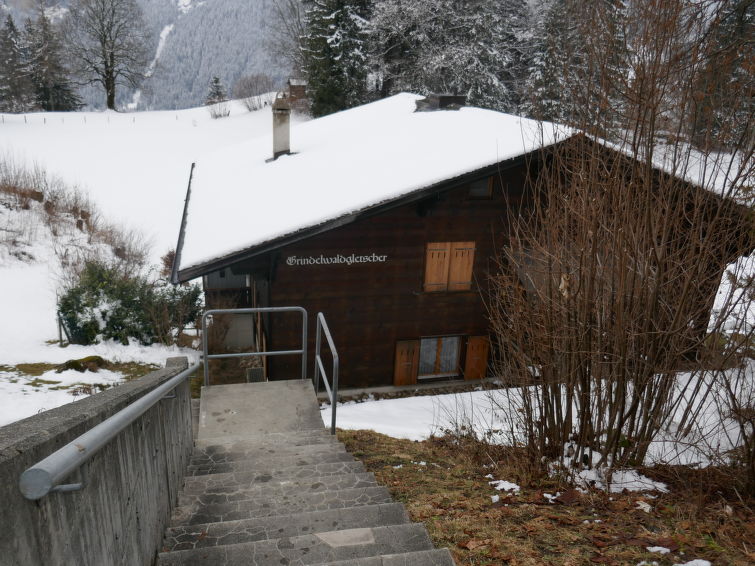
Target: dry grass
x,y
451,495
68,212
130,370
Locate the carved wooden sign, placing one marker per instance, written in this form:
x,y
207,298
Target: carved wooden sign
x,y
338,259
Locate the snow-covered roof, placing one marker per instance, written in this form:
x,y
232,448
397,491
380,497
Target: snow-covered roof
x,y
341,164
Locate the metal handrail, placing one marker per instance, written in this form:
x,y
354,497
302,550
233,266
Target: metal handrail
x,y
322,326
44,476
303,351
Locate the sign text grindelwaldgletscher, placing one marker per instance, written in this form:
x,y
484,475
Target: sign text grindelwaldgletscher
x,y
336,259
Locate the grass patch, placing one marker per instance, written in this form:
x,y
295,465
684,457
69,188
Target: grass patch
x,y
133,370
130,370
451,495
37,382
35,370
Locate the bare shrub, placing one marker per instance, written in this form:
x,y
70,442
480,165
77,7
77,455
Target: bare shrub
x,y
255,91
219,110
606,283
80,233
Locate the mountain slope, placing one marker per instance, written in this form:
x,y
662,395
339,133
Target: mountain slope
x,y
224,38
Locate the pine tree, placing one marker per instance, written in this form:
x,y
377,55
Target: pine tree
x,y
335,54
579,49
726,87
216,92
554,56
16,89
217,101
477,48
53,88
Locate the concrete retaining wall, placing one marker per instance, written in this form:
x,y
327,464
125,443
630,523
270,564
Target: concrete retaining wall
x,y
130,486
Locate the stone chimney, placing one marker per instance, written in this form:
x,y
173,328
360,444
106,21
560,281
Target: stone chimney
x,y
281,125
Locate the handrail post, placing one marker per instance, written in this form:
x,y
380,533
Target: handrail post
x,y
205,340
322,326
304,344
334,402
318,341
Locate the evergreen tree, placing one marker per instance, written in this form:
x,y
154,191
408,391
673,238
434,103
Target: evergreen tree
x,y
16,89
475,47
555,59
217,101
216,92
52,86
726,85
335,53
578,64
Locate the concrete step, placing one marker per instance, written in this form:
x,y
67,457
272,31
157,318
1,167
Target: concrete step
x,y
276,462
306,438
232,493
218,455
440,557
258,408
293,502
319,548
265,528
242,479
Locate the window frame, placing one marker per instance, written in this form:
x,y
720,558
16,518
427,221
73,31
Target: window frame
x,y
438,357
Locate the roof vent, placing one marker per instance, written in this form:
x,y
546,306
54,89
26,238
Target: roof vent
x,y
281,125
434,102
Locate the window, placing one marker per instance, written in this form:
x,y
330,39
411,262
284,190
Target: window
x,y
481,188
448,266
439,356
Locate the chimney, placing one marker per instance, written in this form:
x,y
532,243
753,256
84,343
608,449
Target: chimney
x,y
281,125
434,102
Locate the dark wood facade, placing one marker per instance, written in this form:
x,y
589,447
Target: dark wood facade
x,y
393,316
374,306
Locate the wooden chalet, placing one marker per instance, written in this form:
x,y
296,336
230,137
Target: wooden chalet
x,y
384,217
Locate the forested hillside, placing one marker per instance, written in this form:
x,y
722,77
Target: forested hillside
x,y
200,39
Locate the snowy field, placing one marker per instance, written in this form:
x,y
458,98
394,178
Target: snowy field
x,y
28,305
135,167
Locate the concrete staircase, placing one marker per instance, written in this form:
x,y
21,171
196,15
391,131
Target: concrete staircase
x,y
268,485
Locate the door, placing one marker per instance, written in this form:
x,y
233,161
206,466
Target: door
x,y
476,364
406,363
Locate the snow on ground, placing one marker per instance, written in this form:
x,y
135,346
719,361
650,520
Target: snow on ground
x,y
23,396
28,306
488,415
135,166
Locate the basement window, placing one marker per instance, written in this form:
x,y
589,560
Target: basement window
x,y
439,357
448,266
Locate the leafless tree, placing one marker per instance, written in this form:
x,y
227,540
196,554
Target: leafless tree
x,y
255,90
602,307
287,34
107,41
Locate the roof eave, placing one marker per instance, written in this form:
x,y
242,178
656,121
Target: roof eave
x,y
198,270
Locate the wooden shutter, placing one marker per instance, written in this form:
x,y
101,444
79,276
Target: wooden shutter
x,y
436,266
476,364
407,362
460,270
